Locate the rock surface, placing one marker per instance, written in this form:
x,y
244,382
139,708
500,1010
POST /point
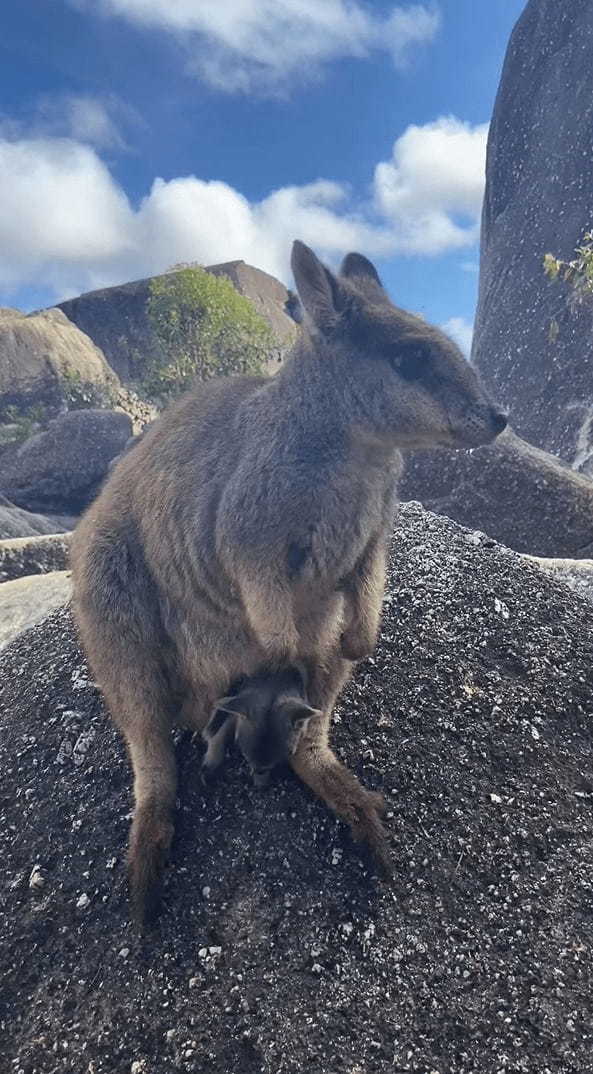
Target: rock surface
x,y
539,199
523,497
33,555
45,358
577,574
116,317
14,522
279,951
60,469
27,601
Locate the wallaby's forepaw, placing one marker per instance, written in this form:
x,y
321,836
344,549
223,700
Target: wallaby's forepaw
x,y
150,840
355,644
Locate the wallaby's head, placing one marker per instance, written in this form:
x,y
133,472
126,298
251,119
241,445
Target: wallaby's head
x,y
270,714
399,375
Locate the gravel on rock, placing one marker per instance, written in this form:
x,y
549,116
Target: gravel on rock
x,y
279,950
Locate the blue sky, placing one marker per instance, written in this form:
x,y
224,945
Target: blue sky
x,y
135,134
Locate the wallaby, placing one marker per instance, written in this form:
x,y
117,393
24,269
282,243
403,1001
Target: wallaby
x,y
248,528
267,715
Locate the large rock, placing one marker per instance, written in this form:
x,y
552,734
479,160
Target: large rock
x,y
14,522
24,556
279,952
539,198
60,469
46,362
116,317
27,601
512,491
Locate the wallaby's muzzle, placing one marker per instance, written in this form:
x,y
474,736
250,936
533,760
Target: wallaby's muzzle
x,y
478,425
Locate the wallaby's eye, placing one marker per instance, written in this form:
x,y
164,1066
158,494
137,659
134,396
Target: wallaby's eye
x,y
412,362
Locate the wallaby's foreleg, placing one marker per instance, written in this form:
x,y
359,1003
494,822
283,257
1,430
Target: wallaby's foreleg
x,y
363,595
318,767
268,602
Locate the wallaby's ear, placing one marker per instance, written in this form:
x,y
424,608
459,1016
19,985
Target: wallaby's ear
x,y
298,712
363,274
319,290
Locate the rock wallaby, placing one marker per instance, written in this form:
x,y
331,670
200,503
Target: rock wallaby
x,y
247,529
266,715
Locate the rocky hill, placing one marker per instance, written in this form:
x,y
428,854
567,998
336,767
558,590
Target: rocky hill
x,y
46,363
116,318
279,951
539,198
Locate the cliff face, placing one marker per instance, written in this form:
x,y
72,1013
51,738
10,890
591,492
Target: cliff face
x,y
116,318
539,198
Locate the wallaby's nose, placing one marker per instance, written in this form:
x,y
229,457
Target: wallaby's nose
x,y
499,420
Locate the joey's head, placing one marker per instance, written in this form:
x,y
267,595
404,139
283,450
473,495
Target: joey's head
x,y
269,721
399,376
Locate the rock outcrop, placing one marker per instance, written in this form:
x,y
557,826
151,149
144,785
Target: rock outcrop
x,y
539,199
27,601
45,361
14,522
23,556
60,469
116,317
523,497
279,951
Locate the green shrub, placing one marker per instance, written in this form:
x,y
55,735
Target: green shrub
x,y
578,272
203,328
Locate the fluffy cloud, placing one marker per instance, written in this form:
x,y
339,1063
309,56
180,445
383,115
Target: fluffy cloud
x,y
264,45
461,331
66,223
432,188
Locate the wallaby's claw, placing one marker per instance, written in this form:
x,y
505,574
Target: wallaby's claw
x,y
368,828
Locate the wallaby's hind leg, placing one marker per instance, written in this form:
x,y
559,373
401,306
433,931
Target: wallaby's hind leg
x,y
318,767
155,784
143,709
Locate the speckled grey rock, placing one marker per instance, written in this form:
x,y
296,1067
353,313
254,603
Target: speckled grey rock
x,y
474,718
539,198
27,601
33,555
524,497
15,522
60,469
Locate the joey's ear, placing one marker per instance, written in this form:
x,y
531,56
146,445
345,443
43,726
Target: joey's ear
x,y
363,274
298,712
218,718
319,290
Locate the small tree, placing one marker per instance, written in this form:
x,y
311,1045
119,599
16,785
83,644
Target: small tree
x,y
204,328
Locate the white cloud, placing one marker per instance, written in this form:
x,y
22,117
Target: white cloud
x,y
461,331
89,120
266,45
65,223
96,121
432,188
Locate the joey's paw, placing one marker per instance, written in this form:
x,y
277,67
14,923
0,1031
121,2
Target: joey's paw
x,y
209,773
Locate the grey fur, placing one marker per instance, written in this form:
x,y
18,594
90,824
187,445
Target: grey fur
x,y
247,529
